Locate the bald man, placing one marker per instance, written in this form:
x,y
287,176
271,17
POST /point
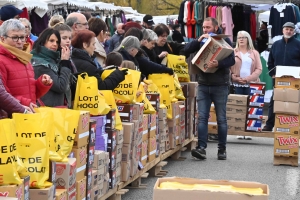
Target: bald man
x,y
77,22
114,41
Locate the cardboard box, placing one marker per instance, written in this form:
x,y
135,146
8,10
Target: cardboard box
x,y
52,172
95,193
100,177
212,117
151,149
281,107
125,112
89,179
152,120
126,168
287,77
128,131
237,99
287,124
72,195
81,189
286,94
81,155
82,134
45,194
253,125
154,99
136,134
286,145
152,132
95,178
215,48
137,113
112,158
185,89
256,100
93,130
212,127
236,118
16,191
119,154
112,178
192,86
134,164
236,127
191,103
126,152
119,138
144,152
257,88
233,109
255,113
162,147
111,119
61,194
66,175
112,138
162,114
212,108
26,182
159,194
90,158
99,157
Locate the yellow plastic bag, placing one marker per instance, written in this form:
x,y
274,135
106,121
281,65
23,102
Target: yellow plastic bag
x,y
87,97
148,108
62,139
178,91
32,135
125,92
109,98
165,83
153,89
8,153
179,66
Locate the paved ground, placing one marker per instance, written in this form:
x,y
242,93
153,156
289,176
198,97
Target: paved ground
x,y
247,161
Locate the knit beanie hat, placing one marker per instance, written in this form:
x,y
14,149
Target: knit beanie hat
x,y
9,12
130,42
129,25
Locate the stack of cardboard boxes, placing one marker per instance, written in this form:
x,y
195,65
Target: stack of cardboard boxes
x,y
173,125
236,111
21,191
100,169
163,130
255,107
286,108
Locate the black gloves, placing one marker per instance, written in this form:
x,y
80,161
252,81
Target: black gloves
x,y
124,71
170,71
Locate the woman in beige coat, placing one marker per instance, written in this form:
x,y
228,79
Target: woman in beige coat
x,y
247,66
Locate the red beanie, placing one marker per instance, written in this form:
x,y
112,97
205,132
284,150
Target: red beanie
x,y
129,25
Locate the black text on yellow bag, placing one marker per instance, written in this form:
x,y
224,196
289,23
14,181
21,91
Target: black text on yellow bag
x,y
179,66
32,135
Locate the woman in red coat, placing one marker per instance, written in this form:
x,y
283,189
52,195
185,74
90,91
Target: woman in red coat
x,y
15,67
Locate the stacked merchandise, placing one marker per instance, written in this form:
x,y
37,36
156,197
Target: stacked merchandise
x,y
173,125
286,107
190,92
255,107
100,169
132,122
163,130
73,172
105,141
236,111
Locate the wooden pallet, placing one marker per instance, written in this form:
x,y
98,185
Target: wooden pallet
x,y
281,160
266,134
147,167
137,183
157,171
117,195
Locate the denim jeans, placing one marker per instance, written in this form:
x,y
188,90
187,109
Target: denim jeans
x,y
206,95
242,90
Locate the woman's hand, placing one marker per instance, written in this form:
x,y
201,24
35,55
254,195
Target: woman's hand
x,y
65,53
32,106
138,93
46,79
28,110
163,54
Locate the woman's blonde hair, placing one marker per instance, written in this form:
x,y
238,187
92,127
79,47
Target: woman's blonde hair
x,y
56,19
249,40
128,64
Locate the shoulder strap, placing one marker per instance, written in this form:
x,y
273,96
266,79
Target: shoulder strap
x,y
170,47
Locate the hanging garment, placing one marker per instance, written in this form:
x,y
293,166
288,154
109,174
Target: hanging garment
x,y
200,18
193,21
180,18
253,26
185,18
38,24
238,18
227,22
24,14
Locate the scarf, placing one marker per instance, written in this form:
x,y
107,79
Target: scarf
x,y
22,56
46,57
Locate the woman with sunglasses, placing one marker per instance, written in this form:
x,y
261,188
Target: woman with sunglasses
x,y
247,66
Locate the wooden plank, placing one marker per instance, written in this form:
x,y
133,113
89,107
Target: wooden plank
x,y
252,134
280,160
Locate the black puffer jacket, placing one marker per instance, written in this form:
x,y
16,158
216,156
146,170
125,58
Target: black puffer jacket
x,y
84,63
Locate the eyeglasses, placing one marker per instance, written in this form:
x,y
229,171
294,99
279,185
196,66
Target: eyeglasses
x,y
83,24
27,27
16,38
242,38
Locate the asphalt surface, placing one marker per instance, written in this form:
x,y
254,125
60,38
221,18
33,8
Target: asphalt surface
x,y
246,161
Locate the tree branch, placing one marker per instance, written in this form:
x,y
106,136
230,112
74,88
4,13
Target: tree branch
x,y
165,1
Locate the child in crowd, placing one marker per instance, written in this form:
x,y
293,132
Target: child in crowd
x,y
113,60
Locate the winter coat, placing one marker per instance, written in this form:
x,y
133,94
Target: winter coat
x,y
19,80
100,53
48,62
85,63
8,103
256,67
114,42
177,37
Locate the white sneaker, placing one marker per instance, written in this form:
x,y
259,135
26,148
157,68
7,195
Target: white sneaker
x,y
248,138
240,137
